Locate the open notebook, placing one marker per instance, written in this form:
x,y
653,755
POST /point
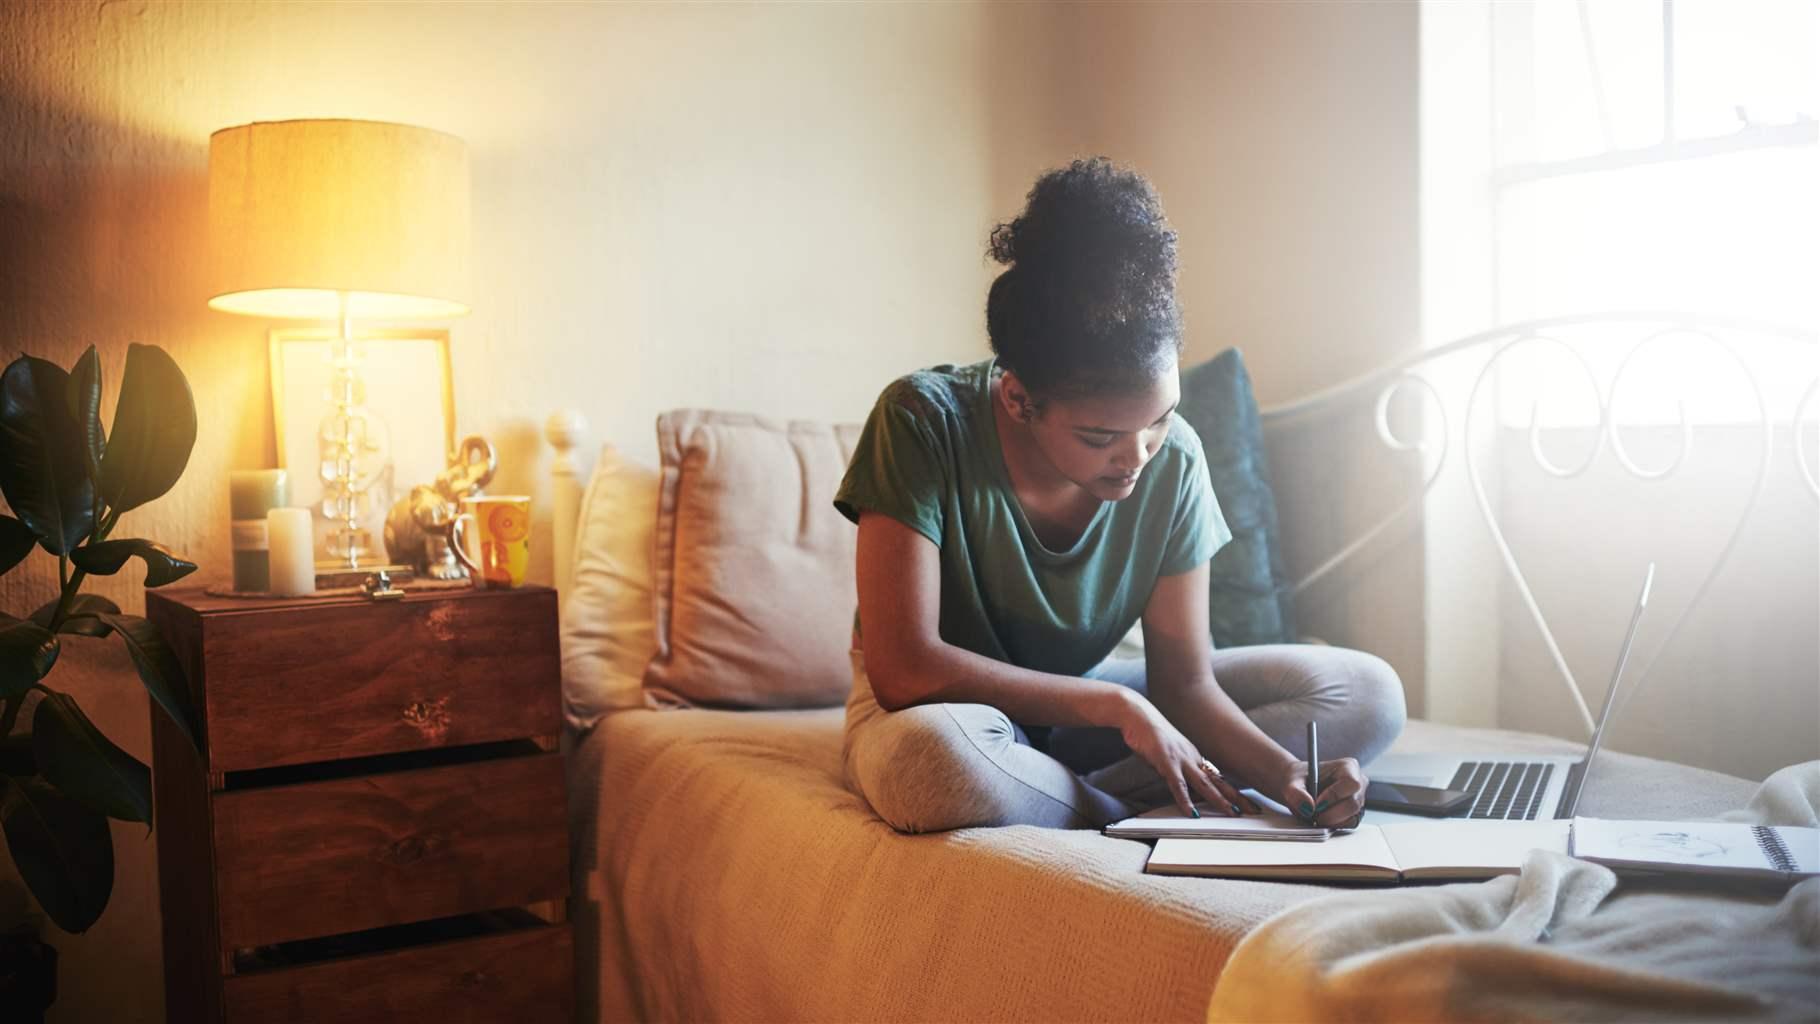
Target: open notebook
x,y
1768,852
1448,850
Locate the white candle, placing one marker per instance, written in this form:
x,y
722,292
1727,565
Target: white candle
x,y
292,553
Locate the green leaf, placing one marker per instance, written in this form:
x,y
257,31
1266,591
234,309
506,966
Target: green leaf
x,y
16,540
85,765
42,469
63,850
80,620
27,652
85,409
106,558
154,430
85,625
158,668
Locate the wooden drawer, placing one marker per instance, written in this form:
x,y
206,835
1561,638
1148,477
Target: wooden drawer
x,y
306,683
348,854
519,975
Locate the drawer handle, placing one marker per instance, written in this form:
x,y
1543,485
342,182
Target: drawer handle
x,y
411,849
429,717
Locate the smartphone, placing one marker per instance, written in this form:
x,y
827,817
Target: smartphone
x,y
1405,799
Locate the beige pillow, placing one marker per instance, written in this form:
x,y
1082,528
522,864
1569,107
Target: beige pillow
x,y
752,565
609,634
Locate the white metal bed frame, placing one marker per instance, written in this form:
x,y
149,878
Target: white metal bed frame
x,y
1731,335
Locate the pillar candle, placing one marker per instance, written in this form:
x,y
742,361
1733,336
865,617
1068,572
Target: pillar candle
x,y
293,561
251,494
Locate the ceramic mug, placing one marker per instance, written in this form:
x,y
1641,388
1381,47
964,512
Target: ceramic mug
x,y
502,528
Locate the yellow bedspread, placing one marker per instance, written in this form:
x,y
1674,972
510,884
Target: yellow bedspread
x,y
723,873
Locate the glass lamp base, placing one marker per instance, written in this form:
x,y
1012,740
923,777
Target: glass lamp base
x,y
350,547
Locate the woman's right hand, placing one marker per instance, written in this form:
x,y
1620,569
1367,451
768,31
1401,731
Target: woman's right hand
x,y
1152,737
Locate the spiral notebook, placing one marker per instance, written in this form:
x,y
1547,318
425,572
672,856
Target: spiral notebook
x,y
1780,853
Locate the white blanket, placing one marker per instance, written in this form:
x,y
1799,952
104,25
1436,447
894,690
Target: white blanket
x,y
1563,940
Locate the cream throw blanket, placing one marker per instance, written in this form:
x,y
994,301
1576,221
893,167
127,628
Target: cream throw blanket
x,y
1563,940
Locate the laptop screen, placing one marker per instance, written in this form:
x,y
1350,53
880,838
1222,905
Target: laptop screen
x,y
1571,798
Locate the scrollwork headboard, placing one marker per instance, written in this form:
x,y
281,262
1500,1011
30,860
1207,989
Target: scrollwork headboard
x,y
1449,418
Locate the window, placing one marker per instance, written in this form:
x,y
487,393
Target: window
x,y
1650,155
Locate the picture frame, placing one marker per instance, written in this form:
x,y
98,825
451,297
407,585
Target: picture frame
x,y
409,386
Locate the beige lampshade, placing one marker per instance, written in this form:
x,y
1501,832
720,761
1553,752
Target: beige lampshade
x,y
300,211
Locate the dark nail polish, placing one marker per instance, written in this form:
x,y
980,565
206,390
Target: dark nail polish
x,y
1236,809
1307,811
1318,808
1196,811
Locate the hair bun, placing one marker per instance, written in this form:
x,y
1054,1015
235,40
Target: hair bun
x,y
1089,222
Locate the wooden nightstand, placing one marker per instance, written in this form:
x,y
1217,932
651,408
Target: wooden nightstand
x,y
377,827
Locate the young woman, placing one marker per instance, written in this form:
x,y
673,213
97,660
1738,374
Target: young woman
x,y
1018,515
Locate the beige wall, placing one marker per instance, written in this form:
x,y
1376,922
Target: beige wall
x,y
773,208
1282,137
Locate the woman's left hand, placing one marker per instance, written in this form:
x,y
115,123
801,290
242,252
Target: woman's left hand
x,y
1341,800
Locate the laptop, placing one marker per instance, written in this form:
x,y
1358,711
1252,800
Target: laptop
x,y
1505,786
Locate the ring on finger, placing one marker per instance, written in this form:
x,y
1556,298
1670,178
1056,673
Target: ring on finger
x,y
1207,766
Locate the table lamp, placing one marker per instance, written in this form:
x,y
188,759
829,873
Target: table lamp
x,y
340,220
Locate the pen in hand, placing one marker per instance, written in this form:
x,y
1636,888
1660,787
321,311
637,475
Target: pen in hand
x,y
1314,770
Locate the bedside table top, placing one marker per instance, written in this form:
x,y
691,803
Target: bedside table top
x,y
197,600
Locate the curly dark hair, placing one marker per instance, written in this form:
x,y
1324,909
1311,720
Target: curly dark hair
x,y
1087,304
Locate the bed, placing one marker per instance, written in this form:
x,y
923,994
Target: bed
x,y
724,872
728,875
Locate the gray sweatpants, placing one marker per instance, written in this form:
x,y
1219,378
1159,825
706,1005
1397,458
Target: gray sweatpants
x,y
934,767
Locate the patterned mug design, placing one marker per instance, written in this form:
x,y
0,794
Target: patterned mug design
x,y
502,527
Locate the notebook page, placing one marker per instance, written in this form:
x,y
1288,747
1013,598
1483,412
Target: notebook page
x,y
1362,854
1466,848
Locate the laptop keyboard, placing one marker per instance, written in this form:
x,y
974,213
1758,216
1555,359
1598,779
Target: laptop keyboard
x,y
1503,789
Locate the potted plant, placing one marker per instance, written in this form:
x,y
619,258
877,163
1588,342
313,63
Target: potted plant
x,y
68,482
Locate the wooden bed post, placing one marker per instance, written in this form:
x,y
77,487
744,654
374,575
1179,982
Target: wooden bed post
x,y
564,430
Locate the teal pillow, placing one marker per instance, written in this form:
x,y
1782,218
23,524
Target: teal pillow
x,y
1250,601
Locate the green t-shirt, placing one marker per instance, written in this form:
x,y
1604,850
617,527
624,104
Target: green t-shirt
x,y
929,457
